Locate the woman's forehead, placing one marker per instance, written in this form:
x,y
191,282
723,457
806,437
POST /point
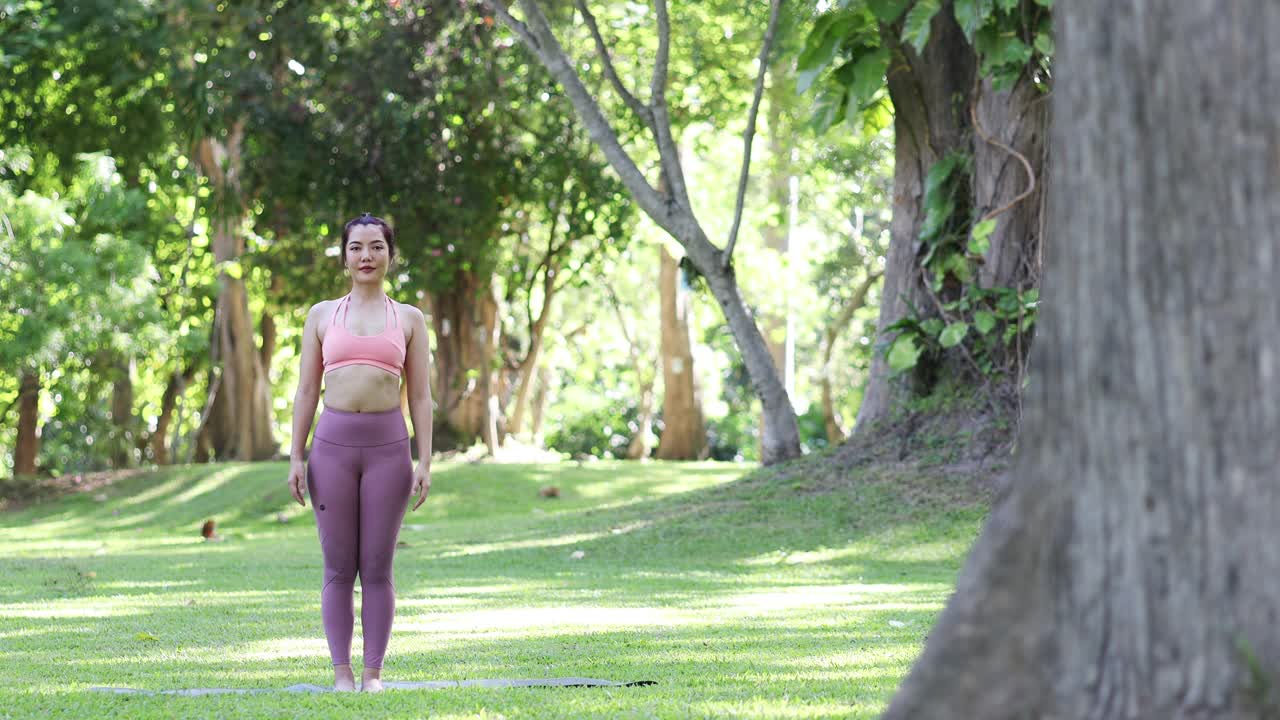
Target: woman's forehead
x,y
365,233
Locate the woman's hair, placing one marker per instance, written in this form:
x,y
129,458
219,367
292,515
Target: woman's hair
x,y
366,219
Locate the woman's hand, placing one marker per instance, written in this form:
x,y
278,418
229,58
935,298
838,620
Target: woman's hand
x,y
298,481
421,482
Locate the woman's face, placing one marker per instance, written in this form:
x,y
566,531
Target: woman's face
x,y
367,248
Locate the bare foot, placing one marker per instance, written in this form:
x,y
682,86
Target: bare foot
x,y
343,679
371,680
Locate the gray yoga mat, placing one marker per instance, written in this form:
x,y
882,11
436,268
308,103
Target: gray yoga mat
x,y
392,685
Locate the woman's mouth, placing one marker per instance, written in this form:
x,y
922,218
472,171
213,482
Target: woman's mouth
x,y
366,269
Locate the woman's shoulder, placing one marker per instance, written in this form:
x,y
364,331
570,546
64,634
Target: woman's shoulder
x,y
319,313
406,310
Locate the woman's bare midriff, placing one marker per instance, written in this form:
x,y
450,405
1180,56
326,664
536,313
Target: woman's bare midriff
x,y
361,388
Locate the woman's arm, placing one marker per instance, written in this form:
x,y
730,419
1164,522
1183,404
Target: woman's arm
x,y
417,372
306,398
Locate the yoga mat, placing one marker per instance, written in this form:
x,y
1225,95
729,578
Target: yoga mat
x,y
393,685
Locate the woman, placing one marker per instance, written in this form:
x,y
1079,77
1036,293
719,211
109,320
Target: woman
x,y
359,473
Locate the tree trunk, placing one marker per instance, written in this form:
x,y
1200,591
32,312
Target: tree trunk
x,y
240,426
529,365
178,381
27,449
121,368
540,403
1130,572
835,433
684,434
465,319
930,93
638,449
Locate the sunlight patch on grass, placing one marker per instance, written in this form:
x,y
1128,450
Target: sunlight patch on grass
x,y
534,620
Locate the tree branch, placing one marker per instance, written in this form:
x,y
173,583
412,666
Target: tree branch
x,y
516,26
750,133
548,50
667,150
636,106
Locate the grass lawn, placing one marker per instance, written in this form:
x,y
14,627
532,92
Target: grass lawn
x,y
741,593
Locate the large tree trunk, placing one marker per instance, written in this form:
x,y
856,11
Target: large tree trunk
x,y
684,434
27,448
240,426
930,93
1131,570
465,319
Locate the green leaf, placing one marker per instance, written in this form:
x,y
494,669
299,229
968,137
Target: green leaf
x,y
971,14
940,172
887,11
984,320
931,327
953,334
868,74
980,240
937,212
957,264
904,353
1044,44
916,29
144,635
1031,298
817,56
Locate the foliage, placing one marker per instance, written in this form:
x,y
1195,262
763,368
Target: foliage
x,y
602,431
952,247
845,57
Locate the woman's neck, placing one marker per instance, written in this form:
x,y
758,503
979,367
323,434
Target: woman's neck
x,y
366,293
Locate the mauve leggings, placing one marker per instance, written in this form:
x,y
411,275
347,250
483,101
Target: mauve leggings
x,y
359,475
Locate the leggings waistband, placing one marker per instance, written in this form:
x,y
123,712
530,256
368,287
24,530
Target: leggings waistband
x,y
361,429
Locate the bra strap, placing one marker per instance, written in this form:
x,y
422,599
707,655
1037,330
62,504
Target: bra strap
x,y
333,320
392,319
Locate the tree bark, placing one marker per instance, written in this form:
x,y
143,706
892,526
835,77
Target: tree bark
x,y
121,369
178,381
684,434
930,93
240,426
1131,570
528,366
540,403
465,319
835,433
27,448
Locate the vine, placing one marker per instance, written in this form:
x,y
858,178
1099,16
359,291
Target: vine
x,y
983,323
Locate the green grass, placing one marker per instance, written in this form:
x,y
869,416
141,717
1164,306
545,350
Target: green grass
x,y
756,596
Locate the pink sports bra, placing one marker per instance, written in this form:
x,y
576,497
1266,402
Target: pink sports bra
x,y
385,350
